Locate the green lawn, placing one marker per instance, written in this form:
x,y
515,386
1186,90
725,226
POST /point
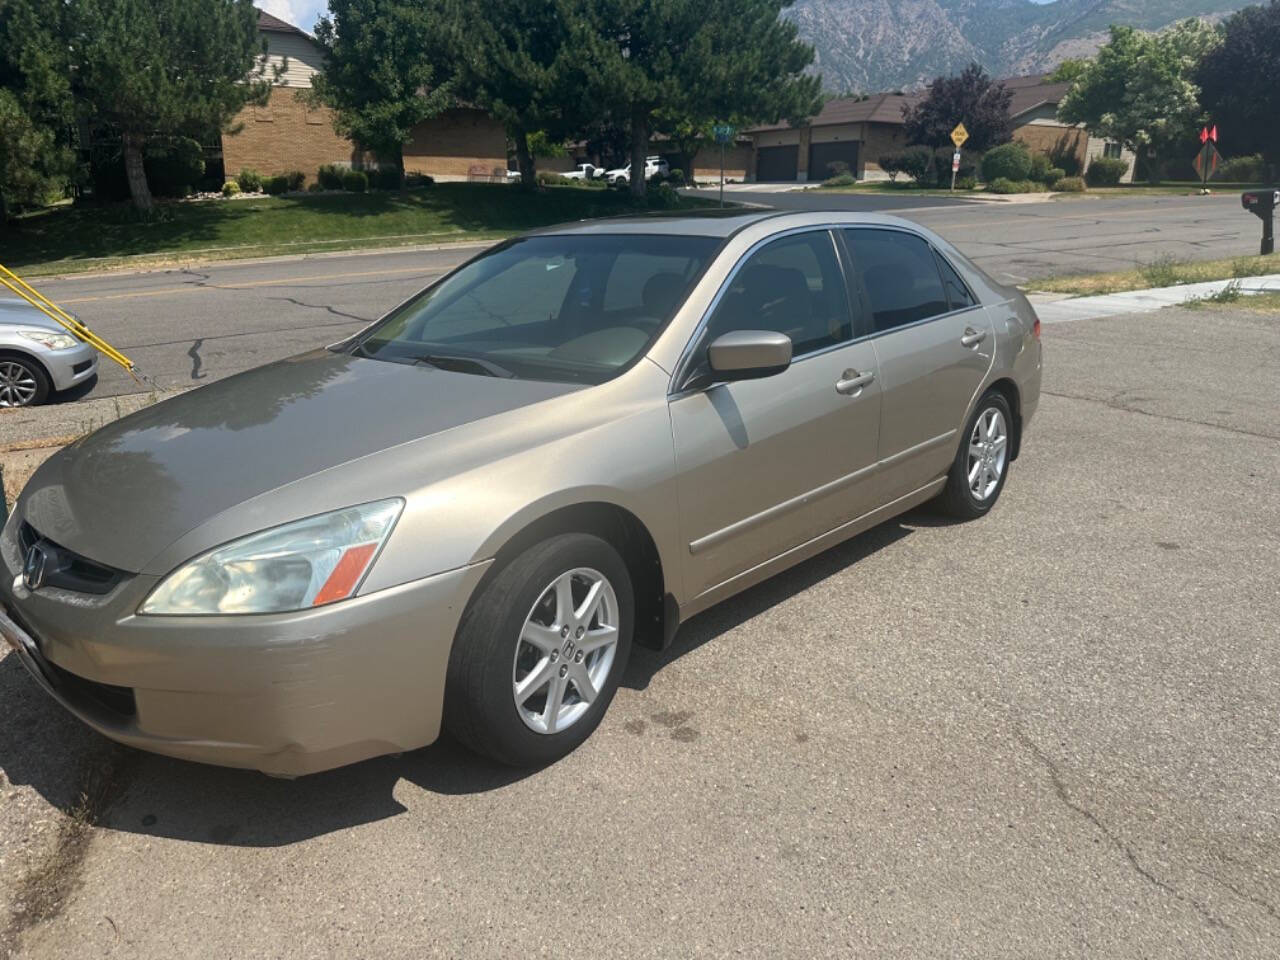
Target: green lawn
x,y
67,239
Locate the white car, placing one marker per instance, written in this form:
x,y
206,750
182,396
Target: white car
x,y
38,357
584,171
652,167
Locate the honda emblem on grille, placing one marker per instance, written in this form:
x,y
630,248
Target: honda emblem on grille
x,y
33,568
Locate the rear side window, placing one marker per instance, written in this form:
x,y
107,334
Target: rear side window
x,y
900,275
794,286
957,293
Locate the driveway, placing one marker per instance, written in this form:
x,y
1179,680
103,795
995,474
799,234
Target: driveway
x,y
1049,733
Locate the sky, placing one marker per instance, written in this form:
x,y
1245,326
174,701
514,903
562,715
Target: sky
x,y
301,13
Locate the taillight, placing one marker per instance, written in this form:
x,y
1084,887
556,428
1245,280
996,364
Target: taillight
x,y
1035,329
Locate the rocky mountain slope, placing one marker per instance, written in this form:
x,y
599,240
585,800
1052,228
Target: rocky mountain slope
x,y
872,45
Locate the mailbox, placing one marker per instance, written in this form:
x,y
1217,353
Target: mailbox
x,y
1262,204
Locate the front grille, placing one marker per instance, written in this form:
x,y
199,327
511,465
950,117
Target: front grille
x,y
67,570
81,367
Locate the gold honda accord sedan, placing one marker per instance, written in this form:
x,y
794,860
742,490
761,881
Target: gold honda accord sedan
x,y
464,515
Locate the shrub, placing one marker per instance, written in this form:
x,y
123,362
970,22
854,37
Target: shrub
x,y
676,176
416,178
1009,161
663,197
355,181
551,178
250,180
1069,185
966,183
1064,155
1002,185
892,166
837,167
1243,169
295,179
1039,167
845,179
329,176
386,178
275,185
315,187
230,188
1106,171
915,163
1053,175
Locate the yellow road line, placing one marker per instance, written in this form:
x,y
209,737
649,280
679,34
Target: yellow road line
x,y
279,282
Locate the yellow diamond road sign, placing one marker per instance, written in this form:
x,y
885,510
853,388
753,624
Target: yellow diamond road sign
x,y
959,135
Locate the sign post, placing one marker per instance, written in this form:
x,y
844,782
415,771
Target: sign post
x,y
958,136
1206,161
724,134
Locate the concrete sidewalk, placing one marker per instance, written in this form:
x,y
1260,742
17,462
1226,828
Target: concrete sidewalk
x,y
1060,308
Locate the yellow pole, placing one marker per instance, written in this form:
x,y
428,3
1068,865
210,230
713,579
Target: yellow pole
x,y
55,313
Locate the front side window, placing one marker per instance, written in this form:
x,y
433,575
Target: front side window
x,y
575,308
793,286
900,275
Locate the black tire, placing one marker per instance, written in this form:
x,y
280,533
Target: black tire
x,y
956,498
36,373
480,708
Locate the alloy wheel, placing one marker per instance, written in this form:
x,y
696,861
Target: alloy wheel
x,y
17,384
988,453
565,650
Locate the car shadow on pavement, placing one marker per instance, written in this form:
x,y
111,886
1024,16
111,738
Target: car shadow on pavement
x,y
43,747
723,617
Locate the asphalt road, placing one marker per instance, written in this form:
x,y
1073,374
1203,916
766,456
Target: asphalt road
x,y
1048,733
184,327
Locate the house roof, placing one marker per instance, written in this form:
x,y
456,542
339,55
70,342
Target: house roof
x,y
269,24
1028,93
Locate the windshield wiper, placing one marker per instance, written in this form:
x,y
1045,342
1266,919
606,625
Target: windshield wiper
x,y
453,361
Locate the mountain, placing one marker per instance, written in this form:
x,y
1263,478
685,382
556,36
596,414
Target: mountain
x,y
868,46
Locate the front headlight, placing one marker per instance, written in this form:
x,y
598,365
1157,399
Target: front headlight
x,y
304,564
51,339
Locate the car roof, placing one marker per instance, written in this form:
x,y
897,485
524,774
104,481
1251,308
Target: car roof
x,y
720,223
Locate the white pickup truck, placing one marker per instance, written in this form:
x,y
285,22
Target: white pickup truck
x,y
584,171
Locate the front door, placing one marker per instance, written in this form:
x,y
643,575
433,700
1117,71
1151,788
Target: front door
x,y
934,344
765,465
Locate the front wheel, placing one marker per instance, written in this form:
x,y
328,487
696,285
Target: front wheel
x,y
982,463
540,651
23,382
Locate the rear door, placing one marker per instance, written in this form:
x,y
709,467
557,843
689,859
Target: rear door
x,y
934,344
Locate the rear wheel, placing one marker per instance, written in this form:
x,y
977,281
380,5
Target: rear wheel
x,y
982,463
540,651
23,382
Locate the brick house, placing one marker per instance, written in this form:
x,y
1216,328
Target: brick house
x,y
859,130
286,134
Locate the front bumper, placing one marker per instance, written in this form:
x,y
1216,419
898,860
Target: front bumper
x,y
71,366
287,694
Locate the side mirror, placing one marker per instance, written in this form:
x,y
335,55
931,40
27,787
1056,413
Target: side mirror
x,y
749,354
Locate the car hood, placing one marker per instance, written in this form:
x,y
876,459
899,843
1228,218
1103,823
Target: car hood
x,y
121,495
19,314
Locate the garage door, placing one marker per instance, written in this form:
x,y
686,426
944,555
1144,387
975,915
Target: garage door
x,y
777,163
840,151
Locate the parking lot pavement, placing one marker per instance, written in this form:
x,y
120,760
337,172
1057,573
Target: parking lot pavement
x,y
1047,733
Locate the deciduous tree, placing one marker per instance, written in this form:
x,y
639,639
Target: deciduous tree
x,y
1139,90
387,69
969,97
1240,83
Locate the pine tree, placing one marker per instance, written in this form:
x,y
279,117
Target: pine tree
x,y
387,69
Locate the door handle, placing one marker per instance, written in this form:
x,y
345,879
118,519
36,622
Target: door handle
x,y
851,382
972,337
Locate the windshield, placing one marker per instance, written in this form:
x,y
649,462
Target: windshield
x,y
576,308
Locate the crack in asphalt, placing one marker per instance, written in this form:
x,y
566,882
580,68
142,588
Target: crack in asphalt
x,y
1270,908
1116,405
321,306
196,362
1060,788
